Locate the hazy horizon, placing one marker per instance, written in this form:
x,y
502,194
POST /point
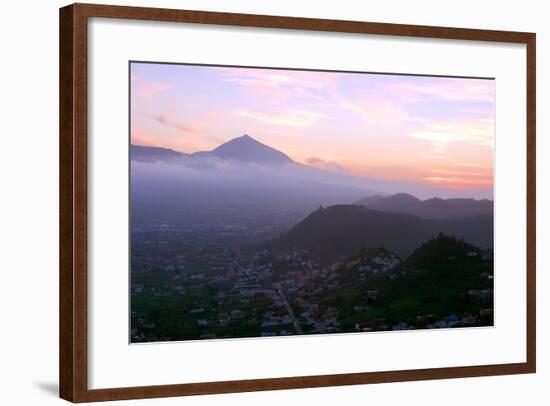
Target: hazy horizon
x,y
428,132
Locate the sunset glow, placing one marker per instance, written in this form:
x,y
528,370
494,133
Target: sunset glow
x,y
426,130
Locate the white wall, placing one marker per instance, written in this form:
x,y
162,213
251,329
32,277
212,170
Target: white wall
x,y
28,215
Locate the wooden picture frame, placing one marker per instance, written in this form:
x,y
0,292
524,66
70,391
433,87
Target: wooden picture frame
x,y
74,201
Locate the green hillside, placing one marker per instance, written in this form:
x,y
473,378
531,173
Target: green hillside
x,y
443,278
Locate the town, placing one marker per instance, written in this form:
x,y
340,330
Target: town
x,y
223,290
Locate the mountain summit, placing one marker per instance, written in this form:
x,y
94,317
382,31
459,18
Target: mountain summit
x,y
247,149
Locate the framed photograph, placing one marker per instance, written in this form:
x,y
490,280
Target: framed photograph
x,y
255,202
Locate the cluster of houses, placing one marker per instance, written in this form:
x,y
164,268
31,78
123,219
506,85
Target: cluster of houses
x,y
375,262
429,321
250,280
278,293
481,295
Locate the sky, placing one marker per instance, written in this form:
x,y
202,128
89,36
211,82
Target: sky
x,y
428,130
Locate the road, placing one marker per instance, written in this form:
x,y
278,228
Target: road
x,y
295,321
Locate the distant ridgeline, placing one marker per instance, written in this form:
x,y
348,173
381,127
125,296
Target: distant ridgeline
x,y
430,208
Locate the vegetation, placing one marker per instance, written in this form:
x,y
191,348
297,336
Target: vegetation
x,y
441,278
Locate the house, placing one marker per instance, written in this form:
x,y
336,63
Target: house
x,y
372,294
137,288
320,327
286,319
439,324
452,320
365,268
270,323
486,294
469,319
237,313
351,264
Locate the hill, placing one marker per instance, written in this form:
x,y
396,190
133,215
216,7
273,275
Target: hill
x,y
435,253
342,230
445,282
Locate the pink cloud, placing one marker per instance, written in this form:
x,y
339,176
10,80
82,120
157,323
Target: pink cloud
x,y
325,165
148,90
440,133
458,182
290,118
150,137
379,111
448,89
140,138
276,85
168,120
171,119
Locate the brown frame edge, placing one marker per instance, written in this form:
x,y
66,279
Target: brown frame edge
x,y
73,310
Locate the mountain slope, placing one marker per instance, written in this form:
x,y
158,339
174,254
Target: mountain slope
x,y
142,153
434,208
247,149
240,179
342,230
